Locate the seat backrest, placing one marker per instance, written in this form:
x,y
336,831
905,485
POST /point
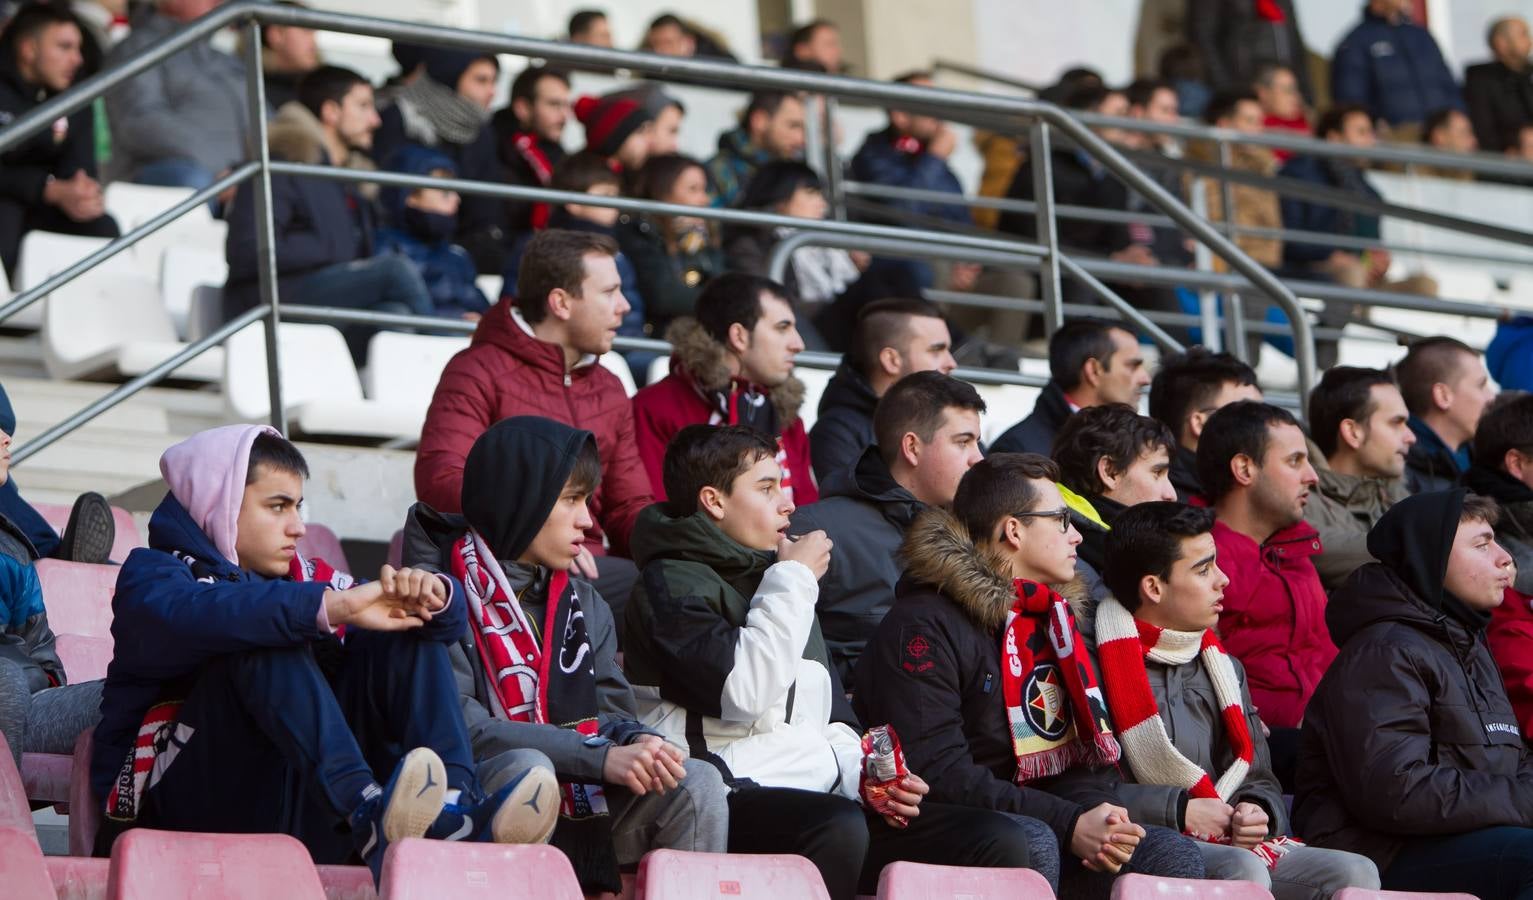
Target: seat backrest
x,y
418,869
698,876
78,596
22,869
126,538
347,882
1149,887
659,367
814,381
403,369
85,657
184,270
1354,893
84,809
76,878
617,365
314,361
15,811
164,865
320,541
1005,406
916,881
206,312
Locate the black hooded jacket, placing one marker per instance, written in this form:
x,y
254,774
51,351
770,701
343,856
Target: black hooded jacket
x,y
58,152
1184,474
844,427
1035,434
1410,733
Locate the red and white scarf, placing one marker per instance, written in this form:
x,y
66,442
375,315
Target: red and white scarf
x,y
1123,644
1053,703
525,143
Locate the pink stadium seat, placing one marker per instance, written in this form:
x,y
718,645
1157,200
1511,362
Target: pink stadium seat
x,y
22,870
126,538
1147,887
166,865
1353,893
15,812
84,808
78,597
85,657
418,869
321,542
699,876
347,882
77,878
914,881
46,776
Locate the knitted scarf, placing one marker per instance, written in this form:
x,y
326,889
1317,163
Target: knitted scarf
x,y
434,113
744,403
160,737
525,143
1123,644
1053,703
527,686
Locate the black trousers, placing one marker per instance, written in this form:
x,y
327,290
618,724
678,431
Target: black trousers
x,y
16,219
851,847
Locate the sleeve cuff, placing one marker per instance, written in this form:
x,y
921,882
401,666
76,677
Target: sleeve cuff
x,y
322,617
450,586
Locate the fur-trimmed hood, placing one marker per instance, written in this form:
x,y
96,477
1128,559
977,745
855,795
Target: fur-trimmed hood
x,y
694,351
939,552
295,135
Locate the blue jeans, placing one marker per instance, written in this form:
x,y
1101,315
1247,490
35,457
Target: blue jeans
x,y
174,173
1491,863
389,284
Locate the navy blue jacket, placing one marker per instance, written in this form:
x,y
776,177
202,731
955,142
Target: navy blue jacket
x,y
879,161
1397,72
166,625
1306,216
446,268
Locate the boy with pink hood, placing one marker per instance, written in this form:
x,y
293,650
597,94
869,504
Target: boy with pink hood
x,y
253,690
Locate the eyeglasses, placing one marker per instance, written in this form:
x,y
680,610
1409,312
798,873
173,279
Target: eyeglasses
x,y
1062,515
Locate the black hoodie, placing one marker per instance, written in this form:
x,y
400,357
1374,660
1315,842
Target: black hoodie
x,y
844,427
1410,732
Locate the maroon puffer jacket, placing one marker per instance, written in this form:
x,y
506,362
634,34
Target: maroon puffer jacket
x,y
505,372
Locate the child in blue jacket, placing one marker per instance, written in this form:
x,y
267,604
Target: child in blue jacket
x,y
421,225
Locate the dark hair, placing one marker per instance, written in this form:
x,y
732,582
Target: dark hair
x,y
880,324
1480,509
1345,392
800,36
33,19
327,84
1434,121
1243,428
913,75
1190,381
660,174
579,172
266,32
713,456
1224,103
1142,90
776,182
1430,361
1076,342
275,452
1267,72
1068,81
998,486
1087,95
731,298
1113,431
555,258
1146,539
583,19
1181,62
585,477
1506,425
768,102
918,403
1335,118
525,87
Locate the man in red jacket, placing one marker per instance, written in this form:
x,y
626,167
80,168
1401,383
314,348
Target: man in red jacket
x,y
732,364
537,356
1253,461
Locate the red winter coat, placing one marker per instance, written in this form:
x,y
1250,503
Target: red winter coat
x,y
1510,637
673,403
505,372
1274,618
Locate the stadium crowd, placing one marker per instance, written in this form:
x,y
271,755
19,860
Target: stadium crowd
x,y
1203,643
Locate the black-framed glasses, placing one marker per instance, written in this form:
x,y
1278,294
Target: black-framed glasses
x,y
1062,515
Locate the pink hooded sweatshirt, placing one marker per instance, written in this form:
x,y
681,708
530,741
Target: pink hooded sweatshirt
x,y
206,474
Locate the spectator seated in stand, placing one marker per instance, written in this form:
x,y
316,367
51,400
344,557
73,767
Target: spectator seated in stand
x,y
26,536
667,112
1499,93
288,53
770,129
528,132
1503,471
1236,40
815,46
1509,357
47,183
1284,107
619,128
590,26
1393,69
446,107
1446,388
1448,131
673,257
670,35
1187,389
424,221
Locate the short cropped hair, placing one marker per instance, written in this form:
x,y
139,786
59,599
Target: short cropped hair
x,y
1225,102
1345,392
1146,539
32,20
1480,509
585,477
1000,485
713,456
768,102
1506,425
1242,428
555,258
1335,118
275,452
884,323
525,87
1115,432
1190,381
327,84
582,21
1427,363
918,403
1142,90
579,172
1076,342
734,298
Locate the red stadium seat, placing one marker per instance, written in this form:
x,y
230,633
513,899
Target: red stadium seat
x,y
418,869
320,541
915,881
78,597
1353,893
699,876
1148,887
78,878
347,882
167,865
123,542
21,866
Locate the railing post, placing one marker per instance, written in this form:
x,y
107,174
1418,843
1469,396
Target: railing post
x,y
1234,312
1048,226
833,191
1203,261
266,232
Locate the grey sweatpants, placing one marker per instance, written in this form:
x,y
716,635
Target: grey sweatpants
x,y
1304,873
48,721
695,816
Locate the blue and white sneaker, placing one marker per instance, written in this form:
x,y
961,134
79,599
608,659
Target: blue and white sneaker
x,y
405,807
524,811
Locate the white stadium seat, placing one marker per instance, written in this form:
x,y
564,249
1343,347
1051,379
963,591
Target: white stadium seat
x,y
1005,406
814,381
617,365
182,271
45,254
403,370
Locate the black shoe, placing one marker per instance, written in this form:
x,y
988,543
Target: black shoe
x,y
89,535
